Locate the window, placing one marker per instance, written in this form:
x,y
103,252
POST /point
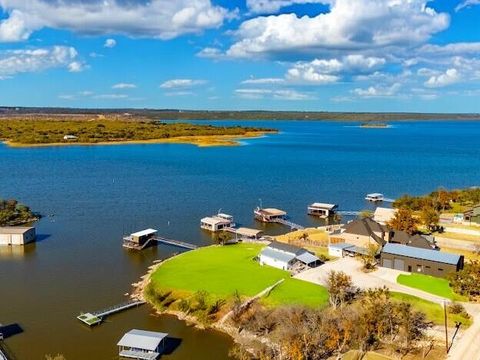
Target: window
x,y
440,269
419,268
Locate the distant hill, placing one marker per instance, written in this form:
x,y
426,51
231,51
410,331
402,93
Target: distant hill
x,y
175,114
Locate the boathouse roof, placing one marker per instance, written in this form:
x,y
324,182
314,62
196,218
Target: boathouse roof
x,y
144,232
418,253
215,220
141,339
323,206
273,211
14,230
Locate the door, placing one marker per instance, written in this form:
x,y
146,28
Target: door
x,y
387,263
399,264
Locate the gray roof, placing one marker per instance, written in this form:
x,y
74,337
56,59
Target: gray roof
x,y
141,339
307,258
278,255
341,246
418,253
286,247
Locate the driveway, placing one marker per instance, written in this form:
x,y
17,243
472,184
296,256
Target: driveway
x,y
379,278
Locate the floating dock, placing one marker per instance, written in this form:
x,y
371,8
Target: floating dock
x,y
96,317
141,239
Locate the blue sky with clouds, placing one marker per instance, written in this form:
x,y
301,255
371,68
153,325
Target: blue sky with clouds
x,y
336,55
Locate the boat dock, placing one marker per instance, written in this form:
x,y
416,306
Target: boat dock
x,y
141,239
96,317
291,224
348,213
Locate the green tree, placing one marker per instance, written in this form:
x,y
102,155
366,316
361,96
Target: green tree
x,y
404,221
340,288
430,218
466,281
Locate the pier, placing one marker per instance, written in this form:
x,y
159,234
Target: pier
x,y
96,317
141,239
348,213
291,224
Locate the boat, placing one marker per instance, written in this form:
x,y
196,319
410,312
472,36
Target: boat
x,y
374,197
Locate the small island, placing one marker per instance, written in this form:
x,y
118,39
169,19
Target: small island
x,y
100,129
374,125
12,213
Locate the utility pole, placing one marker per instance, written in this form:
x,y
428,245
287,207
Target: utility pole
x,y
446,325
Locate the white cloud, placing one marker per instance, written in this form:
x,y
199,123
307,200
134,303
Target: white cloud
x,y
13,62
377,91
76,66
181,83
460,48
467,3
110,43
179,93
111,96
124,86
211,53
359,24
451,76
163,19
272,6
284,94
263,81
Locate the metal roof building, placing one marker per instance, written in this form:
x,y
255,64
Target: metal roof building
x,y
284,256
412,259
141,344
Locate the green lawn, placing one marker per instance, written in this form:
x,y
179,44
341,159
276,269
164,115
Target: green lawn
x,y
222,270
433,311
433,285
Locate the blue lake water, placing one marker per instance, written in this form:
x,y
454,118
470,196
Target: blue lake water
x,y
94,194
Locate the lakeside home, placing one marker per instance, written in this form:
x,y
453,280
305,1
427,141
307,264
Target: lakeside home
x,y
285,256
12,235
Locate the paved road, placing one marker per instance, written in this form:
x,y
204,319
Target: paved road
x,y
468,346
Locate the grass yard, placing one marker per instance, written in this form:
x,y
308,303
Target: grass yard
x,y
430,284
222,270
433,311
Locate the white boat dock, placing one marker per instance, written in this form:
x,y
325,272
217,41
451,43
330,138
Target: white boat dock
x,y
96,317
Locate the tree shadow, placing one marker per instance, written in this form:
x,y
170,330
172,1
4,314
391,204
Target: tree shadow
x,y
10,330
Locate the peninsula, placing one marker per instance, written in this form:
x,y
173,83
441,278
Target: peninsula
x,y
59,130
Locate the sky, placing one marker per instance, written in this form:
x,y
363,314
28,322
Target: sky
x,y
318,55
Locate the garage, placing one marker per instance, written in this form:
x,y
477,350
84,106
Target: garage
x,y
399,264
387,263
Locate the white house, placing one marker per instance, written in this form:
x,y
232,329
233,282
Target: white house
x,y
338,250
284,256
13,235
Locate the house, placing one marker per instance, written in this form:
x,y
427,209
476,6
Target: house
x,y
364,232
384,215
322,210
140,344
473,215
217,222
418,241
13,235
338,250
244,233
424,261
269,214
285,256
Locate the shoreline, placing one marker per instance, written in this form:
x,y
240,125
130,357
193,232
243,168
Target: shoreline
x,y
198,140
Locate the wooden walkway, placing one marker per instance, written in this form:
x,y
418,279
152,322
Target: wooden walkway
x,y
96,317
348,213
127,243
292,225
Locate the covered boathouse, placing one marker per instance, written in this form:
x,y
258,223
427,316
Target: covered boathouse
x,y
141,344
269,214
423,261
322,210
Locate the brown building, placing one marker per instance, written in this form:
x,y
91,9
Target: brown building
x,y
417,260
364,232
418,241
473,215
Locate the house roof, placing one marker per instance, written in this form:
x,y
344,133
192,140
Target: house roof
x,y
323,206
277,255
273,212
248,232
375,195
366,227
341,246
418,253
144,232
286,248
14,229
307,258
141,339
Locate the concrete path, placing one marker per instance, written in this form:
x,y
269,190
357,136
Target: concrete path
x,y
467,345
379,278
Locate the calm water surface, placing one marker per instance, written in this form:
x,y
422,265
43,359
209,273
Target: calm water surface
x,y
97,193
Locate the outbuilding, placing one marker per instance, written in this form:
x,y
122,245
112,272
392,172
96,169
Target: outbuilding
x,y
285,256
338,250
141,344
424,261
13,235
